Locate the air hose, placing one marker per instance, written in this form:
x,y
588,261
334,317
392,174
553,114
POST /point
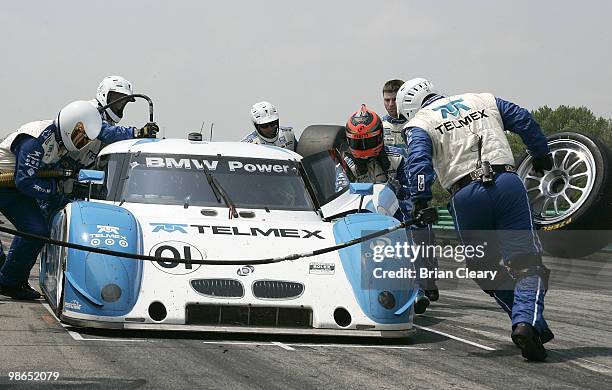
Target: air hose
x,y
426,216
7,179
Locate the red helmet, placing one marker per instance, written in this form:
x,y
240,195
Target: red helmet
x,y
364,132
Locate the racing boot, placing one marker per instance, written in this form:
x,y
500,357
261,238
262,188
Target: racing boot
x,y
527,338
432,293
421,302
22,291
546,335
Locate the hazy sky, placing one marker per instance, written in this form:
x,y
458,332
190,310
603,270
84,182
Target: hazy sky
x,y
316,60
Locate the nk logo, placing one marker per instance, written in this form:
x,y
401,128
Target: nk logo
x,y
453,108
169,227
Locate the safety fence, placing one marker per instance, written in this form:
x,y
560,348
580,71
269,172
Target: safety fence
x,y
445,220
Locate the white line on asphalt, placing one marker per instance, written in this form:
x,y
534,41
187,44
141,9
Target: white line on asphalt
x,y
360,346
77,336
235,343
290,346
283,346
589,365
485,333
450,336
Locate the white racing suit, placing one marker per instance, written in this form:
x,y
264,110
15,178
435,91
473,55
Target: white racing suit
x,y
284,138
444,135
392,131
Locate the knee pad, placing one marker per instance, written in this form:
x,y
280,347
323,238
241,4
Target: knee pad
x,y
524,265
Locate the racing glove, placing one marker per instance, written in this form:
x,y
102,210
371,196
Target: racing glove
x,y
72,189
149,130
80,190
64,187
541,164
418,206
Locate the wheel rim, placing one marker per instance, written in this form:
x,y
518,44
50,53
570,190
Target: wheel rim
x,y
561,191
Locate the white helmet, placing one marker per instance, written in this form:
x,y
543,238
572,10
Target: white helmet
x,y
411,95
264,112
78,124
113,84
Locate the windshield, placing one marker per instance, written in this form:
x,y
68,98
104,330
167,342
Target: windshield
x,y
327,174
180,180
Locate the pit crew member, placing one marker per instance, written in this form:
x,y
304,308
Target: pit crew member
x,y
267,130
392,124
33,147
462,137
110,89
368,160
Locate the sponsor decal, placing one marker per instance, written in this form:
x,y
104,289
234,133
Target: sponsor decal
x,y
228,165
558,225
322,268
238,230
421,183
453,108
73,305
107,229
169,227
177,250
245,270
38,188
181,163
109,235
256,232
32,160
462,122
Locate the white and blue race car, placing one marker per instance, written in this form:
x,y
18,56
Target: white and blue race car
x,y
222,201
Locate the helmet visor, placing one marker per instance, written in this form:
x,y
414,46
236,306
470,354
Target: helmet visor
x,y
118,107
79,136
269,129
268,125
365,143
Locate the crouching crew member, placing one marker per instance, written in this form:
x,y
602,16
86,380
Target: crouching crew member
x,y
370,161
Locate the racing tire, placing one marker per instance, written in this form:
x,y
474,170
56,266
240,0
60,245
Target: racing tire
x,y
319,138
572,203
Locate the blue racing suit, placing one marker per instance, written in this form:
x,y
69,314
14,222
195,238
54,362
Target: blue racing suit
x,y
446,134
20,205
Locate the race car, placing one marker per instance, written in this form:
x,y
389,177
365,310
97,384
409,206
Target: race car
x,y
227,202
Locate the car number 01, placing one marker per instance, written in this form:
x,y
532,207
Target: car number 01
x,y
177,250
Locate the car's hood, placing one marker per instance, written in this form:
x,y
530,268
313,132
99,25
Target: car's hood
x,y
268,234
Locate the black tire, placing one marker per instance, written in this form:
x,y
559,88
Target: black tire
x,y
572,203
319,138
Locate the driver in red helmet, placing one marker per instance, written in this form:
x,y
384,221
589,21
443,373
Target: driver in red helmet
x,y
368,160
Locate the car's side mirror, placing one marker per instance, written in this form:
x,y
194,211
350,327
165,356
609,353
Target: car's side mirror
x,y
362,189
90,176
89,181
